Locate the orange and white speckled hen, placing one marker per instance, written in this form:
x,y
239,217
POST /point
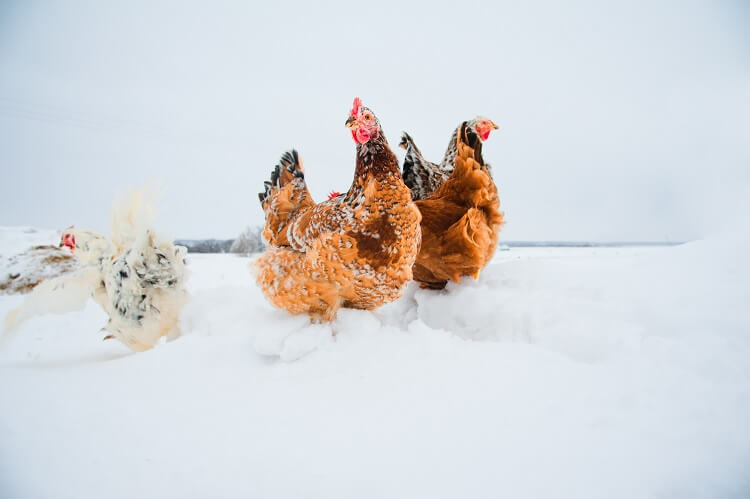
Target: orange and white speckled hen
x,y
461,219
355,250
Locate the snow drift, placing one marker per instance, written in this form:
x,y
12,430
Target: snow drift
x,y
572,372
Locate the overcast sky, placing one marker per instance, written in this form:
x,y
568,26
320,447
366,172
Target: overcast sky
x,y
618,120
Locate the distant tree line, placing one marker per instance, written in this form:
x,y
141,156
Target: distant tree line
x,y
206,245
249,241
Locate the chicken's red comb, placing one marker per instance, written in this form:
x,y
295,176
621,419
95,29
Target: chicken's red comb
x,y
355,106
333,194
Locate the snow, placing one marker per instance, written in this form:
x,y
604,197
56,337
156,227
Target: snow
x,y
14,240
561,372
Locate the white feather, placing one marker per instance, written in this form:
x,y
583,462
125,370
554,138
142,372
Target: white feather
x,y
66,293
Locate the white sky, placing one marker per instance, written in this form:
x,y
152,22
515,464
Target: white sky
x,y
625,121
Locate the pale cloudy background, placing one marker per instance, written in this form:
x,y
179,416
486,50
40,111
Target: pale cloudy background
x,y
619,120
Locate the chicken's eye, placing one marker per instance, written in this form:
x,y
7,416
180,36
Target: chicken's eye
x,y
368,117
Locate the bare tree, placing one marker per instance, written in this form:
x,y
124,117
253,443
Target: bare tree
x,y
249,241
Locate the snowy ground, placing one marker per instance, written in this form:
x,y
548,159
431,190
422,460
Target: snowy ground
x,y
14,240
575,372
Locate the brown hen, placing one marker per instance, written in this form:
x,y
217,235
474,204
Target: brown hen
x,y
354,250
460,220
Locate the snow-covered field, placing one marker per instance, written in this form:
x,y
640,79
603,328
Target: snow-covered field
x,y
568,372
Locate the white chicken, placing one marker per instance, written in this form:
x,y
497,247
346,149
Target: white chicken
x,y
137,277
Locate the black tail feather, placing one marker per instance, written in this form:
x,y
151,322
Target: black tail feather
x,y
290,162
412,161
267,185
406,141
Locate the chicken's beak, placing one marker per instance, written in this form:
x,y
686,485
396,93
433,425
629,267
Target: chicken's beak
x,y
351,122
495,126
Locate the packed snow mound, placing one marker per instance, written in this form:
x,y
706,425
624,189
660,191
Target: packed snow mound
x,y
22,272
561,372
587,303
28,256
